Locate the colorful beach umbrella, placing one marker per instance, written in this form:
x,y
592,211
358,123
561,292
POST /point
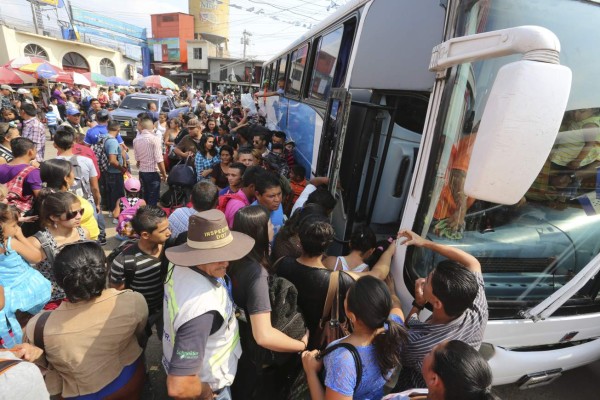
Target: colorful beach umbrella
x,y
80,79
18,62
9,76
116,81
48,71
157,81
96,78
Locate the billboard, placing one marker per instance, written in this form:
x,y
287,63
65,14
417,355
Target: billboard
x,y
210,16
123,28
165,49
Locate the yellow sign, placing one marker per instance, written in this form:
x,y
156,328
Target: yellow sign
x,y
50,2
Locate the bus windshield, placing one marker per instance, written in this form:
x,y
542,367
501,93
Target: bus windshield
x,y
530,249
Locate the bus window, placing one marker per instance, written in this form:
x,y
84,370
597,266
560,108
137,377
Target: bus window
x,y
331,61
298,62
282,65
273,81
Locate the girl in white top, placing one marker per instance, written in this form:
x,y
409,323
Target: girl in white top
x,y
362,246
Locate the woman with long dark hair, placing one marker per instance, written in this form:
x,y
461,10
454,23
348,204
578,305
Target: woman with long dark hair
x,y
453,370
221,169
60,220
59,175
377,337
250,289
206,156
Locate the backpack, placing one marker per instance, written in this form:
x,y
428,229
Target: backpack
x,y
80,186
285,317
100,153
15,191
124,227
128,261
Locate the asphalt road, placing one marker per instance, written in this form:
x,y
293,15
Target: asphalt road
x,y
580,383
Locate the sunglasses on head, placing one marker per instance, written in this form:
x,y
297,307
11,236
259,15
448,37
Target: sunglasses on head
x,y
72,214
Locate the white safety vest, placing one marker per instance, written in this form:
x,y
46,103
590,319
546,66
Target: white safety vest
x,y
189,294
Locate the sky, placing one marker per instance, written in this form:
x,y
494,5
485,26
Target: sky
x,y
269,35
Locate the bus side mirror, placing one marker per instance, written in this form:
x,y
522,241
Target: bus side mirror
x,y
518,128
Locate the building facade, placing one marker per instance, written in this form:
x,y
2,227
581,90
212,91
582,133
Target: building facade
x,y
67,54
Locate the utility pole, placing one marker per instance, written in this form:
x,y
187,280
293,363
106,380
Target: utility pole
x,y
246,41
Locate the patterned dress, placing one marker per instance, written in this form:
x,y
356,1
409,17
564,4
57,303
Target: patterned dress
x,y
45,267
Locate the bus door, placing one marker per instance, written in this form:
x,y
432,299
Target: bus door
x,y
333,136
377,161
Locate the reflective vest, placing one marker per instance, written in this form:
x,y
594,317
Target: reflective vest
x,y
189,294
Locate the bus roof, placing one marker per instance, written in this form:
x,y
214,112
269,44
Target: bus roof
x,y
339,14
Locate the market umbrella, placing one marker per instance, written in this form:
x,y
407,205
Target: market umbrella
x,y
157,81
9,76
115,80
48,71
96,78
80,79
21,61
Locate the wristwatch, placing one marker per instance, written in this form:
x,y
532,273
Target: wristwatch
x,y
417,305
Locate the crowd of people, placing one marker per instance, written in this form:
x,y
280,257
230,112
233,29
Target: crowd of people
x,y
233,276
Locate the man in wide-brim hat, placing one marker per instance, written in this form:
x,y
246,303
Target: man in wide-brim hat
x,y
201,344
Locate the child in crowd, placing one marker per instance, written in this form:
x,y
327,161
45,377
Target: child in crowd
x,y
362,245
26,291
146,274
298,180
52,120
127,206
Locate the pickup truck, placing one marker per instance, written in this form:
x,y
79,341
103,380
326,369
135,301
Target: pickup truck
x,y
135,103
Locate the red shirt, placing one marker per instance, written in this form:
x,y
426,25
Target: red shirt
x,y
83,150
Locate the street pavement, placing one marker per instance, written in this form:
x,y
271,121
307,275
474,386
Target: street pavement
x,y
583,383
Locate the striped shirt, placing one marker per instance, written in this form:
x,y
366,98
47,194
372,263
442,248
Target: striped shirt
x,y
147,279
148,151
35,131
424,336
179,220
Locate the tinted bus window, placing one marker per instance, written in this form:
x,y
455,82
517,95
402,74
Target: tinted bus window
x,y
273,81
324,66
331,60
282,65
297,66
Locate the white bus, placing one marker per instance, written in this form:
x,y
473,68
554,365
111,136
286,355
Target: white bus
x,y
395,101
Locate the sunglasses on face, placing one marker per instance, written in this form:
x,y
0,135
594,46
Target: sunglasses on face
x,y
69,215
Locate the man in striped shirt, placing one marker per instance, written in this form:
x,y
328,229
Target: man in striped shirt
x,y
455,292
147,259
148,153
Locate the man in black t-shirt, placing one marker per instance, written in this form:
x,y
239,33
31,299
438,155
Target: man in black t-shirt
x,y
147,256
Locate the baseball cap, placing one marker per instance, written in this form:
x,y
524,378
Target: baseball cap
x,y
6,87
209,240
73,111
102,114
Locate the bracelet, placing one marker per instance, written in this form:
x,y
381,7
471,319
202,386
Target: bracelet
x,y
417,305
305,347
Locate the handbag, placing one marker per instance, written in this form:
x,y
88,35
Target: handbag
x,y
330,327
182,174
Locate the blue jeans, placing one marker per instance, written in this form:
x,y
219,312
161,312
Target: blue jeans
x,y
100,220
115,188
151,186
224,395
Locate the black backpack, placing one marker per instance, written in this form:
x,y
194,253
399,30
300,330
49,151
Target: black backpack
x,y
285,317
128,261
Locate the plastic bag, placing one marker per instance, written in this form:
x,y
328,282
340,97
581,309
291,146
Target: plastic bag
x,y
248,102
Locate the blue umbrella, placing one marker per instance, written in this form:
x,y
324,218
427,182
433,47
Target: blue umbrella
x,y
115,80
